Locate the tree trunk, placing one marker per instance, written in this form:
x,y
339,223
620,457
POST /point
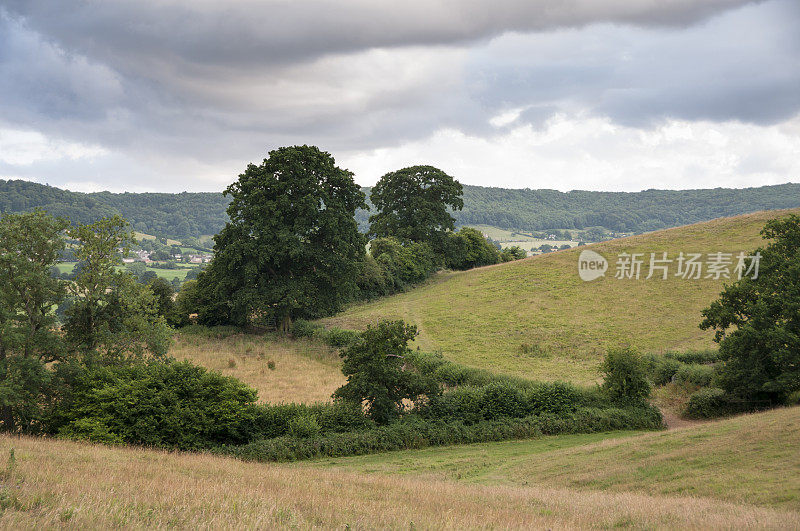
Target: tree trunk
x,y
286,324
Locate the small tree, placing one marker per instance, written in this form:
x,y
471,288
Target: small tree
x,y
112,315
377,374
30,245
625,376
412,204
757,321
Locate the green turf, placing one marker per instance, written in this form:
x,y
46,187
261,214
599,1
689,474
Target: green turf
x,y
536,318
751,458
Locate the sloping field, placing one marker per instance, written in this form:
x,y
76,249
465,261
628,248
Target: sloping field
x,y
50,483
751,459
537,318
280,369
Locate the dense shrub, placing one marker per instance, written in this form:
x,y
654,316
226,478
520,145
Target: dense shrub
x,y
660,369
303,328
694,356
504,399
414,432
557,397
162,404
501,399
403,264
23,381
469,248
275,420
625,376
337,337
699,375
709,403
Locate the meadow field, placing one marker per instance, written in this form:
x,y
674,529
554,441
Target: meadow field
x,y
728,474
280,369
536,318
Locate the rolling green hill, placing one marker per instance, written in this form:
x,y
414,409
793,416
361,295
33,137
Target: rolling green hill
x,y
537,318
187,215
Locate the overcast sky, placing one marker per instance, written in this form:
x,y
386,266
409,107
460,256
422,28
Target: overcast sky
x,y
173,95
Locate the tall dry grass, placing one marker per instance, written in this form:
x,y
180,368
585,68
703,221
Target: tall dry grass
x,y
302,371
75,485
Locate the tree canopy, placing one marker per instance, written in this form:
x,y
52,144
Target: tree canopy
x,y
292,246
412,204
757,320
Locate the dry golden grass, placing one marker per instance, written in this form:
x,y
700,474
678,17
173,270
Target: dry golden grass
x,y
483,317
304,371
74,485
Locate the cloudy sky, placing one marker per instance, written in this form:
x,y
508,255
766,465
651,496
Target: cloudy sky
x,y
173,95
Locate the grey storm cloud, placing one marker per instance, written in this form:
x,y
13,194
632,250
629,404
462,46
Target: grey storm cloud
x,y
218,81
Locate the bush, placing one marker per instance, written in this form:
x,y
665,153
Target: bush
x,y
303,328
415,432
699,375
694,356
161,404
660,368
335,337
709,403
303,426
555,397
625,376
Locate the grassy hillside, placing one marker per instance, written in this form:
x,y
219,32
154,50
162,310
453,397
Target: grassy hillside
x,y
537,318
51,483
302,371
749,459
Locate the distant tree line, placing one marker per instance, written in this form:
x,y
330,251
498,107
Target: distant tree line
x,y
190,215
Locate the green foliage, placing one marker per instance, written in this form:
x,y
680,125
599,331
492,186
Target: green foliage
x,y
23,382
161,404
292,246
163,293
694,356
30,245
412,204
173,215
709,403
303,426
468,248
694,374
188,215
211,332
111,315
336,337
376,372
413,432
303,328
402,263
187,302
509,254
757,321
625,376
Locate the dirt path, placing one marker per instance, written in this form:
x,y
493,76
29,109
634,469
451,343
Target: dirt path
x,y
672,420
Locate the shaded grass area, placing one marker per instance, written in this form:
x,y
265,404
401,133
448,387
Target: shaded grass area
x,y
536,318
748,459
67,484
304,371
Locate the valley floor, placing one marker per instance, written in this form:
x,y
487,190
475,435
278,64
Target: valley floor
x,y
743,472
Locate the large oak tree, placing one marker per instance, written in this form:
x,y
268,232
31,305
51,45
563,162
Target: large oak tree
x,y
292,246
412,204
